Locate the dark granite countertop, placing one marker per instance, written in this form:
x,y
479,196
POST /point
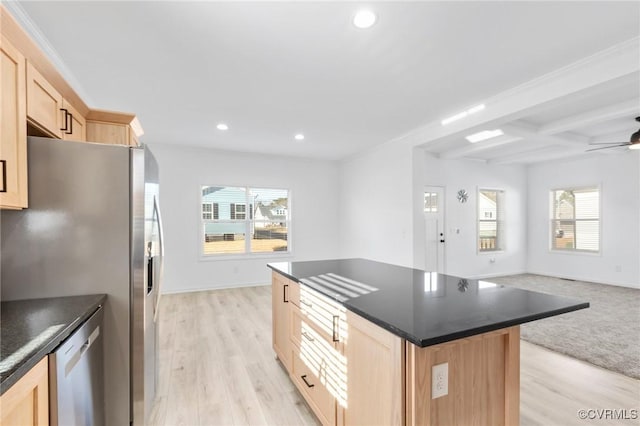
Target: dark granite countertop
x,y
31,329
426,308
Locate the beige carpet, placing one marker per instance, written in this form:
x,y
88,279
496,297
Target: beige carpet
x,y
606,334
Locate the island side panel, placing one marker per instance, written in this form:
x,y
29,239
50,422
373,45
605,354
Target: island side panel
x,y
484,381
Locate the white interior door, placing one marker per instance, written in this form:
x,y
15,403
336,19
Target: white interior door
x,y
434,228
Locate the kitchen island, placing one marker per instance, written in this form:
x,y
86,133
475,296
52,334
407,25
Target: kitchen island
x,y
372,343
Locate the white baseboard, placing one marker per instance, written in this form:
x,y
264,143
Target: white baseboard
x,y
215,287
501,274
585,279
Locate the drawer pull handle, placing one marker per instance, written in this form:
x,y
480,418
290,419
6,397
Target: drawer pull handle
x,y
336,337
4,175
304,302
66,120
304,379
306,335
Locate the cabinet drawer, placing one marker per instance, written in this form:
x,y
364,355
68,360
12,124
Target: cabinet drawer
x,y
314,374
322,313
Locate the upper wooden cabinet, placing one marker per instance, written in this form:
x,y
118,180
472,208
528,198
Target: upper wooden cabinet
x,y
110,127
50,112
13,129
44,104
75,126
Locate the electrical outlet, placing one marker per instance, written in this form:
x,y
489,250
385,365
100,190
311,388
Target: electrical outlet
x,y
618,268
439,380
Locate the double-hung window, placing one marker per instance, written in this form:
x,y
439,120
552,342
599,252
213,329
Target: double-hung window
x,y
575,219
490,220
244,220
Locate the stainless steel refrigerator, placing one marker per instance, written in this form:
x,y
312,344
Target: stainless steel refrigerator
x,y
93,226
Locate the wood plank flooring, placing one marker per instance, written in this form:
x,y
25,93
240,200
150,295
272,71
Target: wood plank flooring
x,y
217,367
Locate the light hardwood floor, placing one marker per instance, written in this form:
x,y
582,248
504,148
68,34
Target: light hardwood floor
x,y
217,367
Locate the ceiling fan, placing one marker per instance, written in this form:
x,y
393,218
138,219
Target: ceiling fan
x,y
634,142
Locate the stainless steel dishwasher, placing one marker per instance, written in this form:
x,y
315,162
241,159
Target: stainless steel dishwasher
x,y
76,385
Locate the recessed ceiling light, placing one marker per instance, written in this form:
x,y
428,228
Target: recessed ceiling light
x,y
484,135
222,126
299,137
364,18
462,114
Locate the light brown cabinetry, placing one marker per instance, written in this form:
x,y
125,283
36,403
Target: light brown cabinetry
x,y
44,104
26,403
113,128
13,128
49,112
374,383
348,369
281,314
74,127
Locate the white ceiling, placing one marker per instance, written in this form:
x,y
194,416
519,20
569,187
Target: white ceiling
x,y
273,69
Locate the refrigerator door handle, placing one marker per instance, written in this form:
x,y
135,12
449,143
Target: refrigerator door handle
x,y
156,207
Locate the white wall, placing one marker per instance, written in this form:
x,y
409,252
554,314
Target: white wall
x,y
619,177
314,208
376,205
461,255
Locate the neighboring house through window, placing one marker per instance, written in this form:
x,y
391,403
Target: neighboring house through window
x,y
490,220
575,219
244,220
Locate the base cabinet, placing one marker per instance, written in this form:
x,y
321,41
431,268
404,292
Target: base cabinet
x,y
353,372
280,320
26,403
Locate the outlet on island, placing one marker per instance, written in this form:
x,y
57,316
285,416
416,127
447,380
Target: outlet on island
x,y
439,380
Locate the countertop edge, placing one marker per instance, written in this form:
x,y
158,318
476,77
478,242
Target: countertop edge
x,y
53,343
422,343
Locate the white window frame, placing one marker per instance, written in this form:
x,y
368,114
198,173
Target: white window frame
x,y
574,251
500,222
247,254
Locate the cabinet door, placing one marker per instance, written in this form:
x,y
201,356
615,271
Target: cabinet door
x,y
110,133
13,128
280,320
44,103
374,390
76,129
26,403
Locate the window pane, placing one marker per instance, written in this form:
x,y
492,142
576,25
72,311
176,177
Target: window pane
x,y
227,197
224,238
575,222
587,235
430,202
270,204
269,237
563,235
490,220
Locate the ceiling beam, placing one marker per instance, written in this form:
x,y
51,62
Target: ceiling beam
x,y
537,155
478,147
528,131
599,115
619,61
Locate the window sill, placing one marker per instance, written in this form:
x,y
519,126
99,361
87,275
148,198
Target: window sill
x,y
244,256
481,253
576,252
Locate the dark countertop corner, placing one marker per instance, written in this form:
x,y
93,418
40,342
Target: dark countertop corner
x,y
31,329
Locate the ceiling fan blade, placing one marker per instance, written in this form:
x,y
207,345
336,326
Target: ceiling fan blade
x,y
607,147
607,143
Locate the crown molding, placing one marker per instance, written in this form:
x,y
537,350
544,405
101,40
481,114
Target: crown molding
x,y
29,26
